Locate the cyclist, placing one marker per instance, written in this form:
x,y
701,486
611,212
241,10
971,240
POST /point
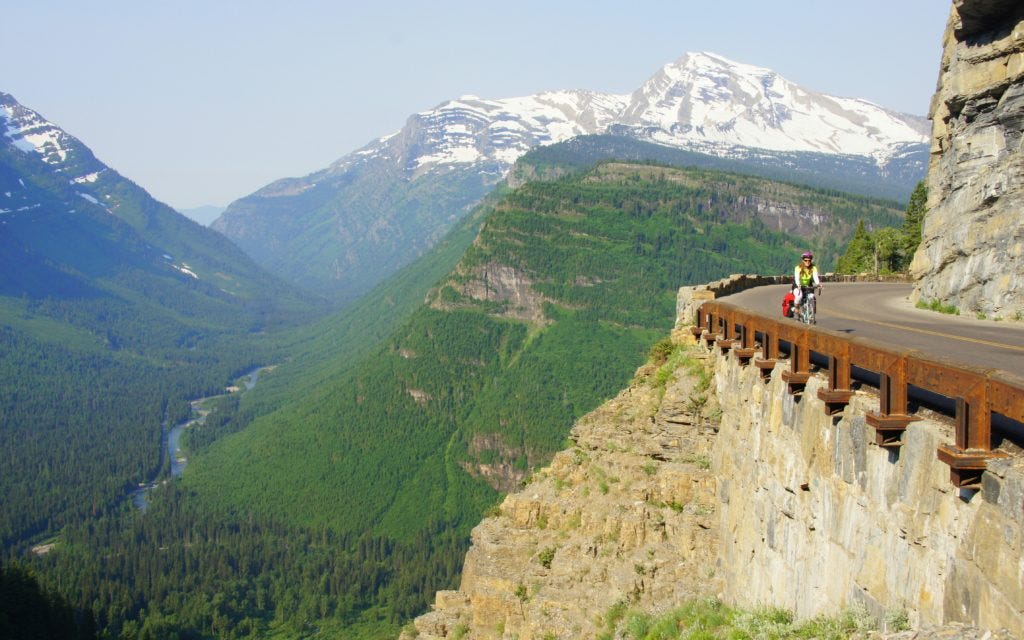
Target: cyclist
x,y
805,278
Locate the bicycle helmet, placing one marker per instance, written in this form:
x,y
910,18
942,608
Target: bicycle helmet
x,y
808,254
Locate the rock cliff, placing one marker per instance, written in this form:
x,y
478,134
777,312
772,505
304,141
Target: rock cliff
x,y
972,250
625,516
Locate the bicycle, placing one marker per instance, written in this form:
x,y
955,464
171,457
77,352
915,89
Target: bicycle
x,y
807,311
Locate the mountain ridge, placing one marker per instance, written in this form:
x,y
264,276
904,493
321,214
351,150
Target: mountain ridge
x,y
660,110
340,230
50,180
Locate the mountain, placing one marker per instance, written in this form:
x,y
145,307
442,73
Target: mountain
x,y
342,229
704,101
115,310
68,221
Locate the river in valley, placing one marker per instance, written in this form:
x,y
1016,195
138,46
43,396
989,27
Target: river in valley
x,y
172,441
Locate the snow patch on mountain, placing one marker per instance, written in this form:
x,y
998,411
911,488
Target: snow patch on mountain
x,y
187,270
89,177
29,132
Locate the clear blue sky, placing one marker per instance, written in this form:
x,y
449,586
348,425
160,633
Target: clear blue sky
x,y
205,101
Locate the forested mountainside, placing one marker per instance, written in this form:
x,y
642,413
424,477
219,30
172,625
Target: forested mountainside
x,y
29,611
341,233
114,312
347,502
340,230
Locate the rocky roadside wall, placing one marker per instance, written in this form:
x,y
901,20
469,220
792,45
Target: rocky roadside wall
x,y
972,243
814,516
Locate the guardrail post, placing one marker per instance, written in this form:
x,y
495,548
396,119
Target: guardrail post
x,y
713,331
700,322
838,394
728,340
745,351
968,458
769,353
799,362
892,419
974,422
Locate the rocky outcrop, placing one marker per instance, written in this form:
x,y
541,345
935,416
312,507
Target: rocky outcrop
x,y
499,288
501,472
972,250
627,515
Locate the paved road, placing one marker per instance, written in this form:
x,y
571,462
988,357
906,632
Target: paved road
x,y
881,312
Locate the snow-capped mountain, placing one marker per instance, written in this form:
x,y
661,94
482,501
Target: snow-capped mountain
x,y
706,102
701,102
25,130
472,130
71,226
386,203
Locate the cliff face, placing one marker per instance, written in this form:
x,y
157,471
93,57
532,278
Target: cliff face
x,y
626,516
744,492
972,249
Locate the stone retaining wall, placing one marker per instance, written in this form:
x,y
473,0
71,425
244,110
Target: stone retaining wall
x,y
814,516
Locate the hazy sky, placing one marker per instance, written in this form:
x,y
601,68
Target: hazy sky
x,y
205,101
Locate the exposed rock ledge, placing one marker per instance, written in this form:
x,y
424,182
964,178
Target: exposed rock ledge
x,y
626,515
972,250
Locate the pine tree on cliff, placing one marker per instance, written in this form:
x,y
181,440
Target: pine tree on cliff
x,y
912,222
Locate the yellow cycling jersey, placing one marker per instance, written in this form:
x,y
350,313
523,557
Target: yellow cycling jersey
x,y
806,277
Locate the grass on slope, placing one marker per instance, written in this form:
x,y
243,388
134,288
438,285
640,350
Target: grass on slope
x,y
709,619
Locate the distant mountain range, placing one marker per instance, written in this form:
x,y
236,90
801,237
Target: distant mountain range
x,y
342,229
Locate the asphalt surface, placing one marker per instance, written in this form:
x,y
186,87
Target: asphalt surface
x,y
882,312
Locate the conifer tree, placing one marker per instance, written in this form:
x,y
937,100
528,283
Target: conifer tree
x,y
859,255
912,222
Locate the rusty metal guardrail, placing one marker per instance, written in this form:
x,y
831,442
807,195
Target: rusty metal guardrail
x,y
977,393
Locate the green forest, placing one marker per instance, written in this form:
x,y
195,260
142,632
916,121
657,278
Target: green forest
x,y
886,249
338,495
